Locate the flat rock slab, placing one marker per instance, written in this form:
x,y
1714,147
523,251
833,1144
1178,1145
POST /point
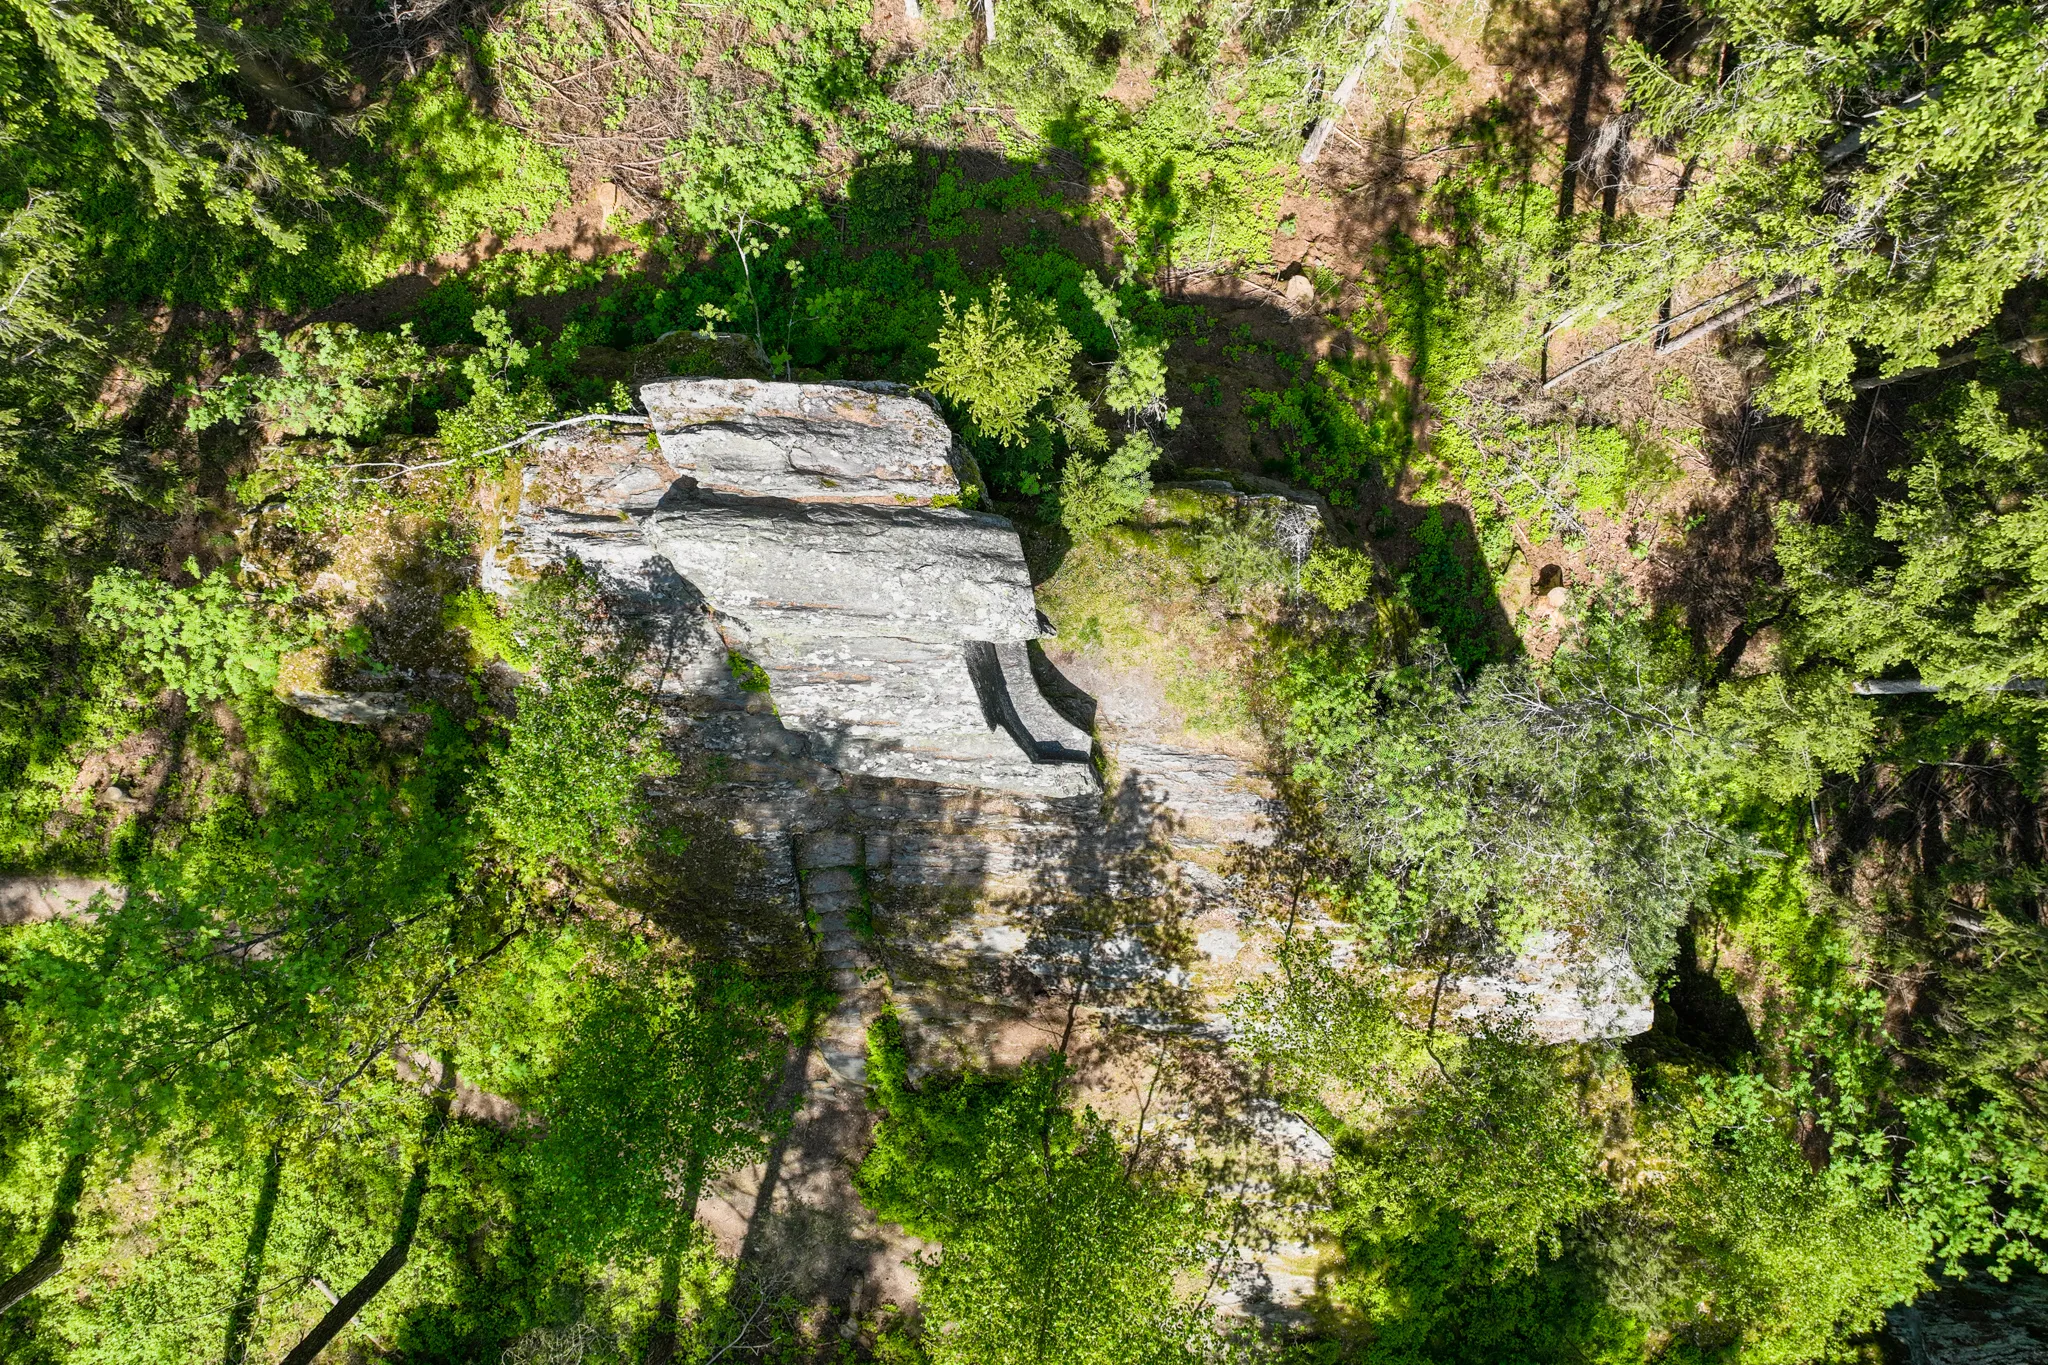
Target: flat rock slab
x,y
807,528
828,442
1558,993
798,572
33,900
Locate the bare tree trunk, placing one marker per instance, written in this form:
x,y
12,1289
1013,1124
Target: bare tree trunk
x,y
242,1313
1722,321
1382,37
367,1288
49,1257
2022,344
1677,199
392,1261
661,1349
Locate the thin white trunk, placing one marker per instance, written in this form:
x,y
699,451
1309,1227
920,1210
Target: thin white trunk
x,y
1382,38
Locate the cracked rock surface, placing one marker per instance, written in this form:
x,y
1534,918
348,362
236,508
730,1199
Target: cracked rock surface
x,y
809,529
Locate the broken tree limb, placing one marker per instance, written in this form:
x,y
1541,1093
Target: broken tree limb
x,y
627,419
1327,124
1915,687
2016,346
1724,320
1632,338
49,1257
1382,37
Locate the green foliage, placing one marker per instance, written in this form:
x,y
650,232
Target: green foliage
x,y
1946,581
1338,576
1135,387
1052,56
1196,194
663,1085
749,675
1497,1140
135,94
1876,170
446,174
1794,731
1574,796
1438,1297
568,787
1314,1020
1056,1247
235,983
1749,1250
1447,588
488,627
999,361
209,641
1541,473
1097,495
1326,440
1951,578
504,399
331,380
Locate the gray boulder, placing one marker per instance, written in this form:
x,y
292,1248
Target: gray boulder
x,y
809,528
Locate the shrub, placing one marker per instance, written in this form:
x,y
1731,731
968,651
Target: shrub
x,y
1337,576
331,380
1000,360
1095,495
209,641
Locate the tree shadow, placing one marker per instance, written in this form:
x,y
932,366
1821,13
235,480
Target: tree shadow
x,y
1445,579
1696,1012
1722,576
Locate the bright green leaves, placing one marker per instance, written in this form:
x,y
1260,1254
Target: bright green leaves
x,y
1952,578
1338,576
1057,1245
999,360
209,641
1136,384
257,972
1337,430
1949,580
663,1085
1876,167
1745,1247
453,174
1097,495
1573,796
1315,1021
1196,192
1793,731
129,91
1499,1140
331,380
568,787
503,399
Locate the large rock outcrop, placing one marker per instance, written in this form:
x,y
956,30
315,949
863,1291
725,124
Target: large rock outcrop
x,y
906,781
818,533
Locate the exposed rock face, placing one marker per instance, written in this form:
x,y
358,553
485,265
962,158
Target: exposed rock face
x,y
810,442
1560,993
811,521
32,900
1976,1322
907,781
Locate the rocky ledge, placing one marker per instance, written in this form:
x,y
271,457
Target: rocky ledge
x,y
819,533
